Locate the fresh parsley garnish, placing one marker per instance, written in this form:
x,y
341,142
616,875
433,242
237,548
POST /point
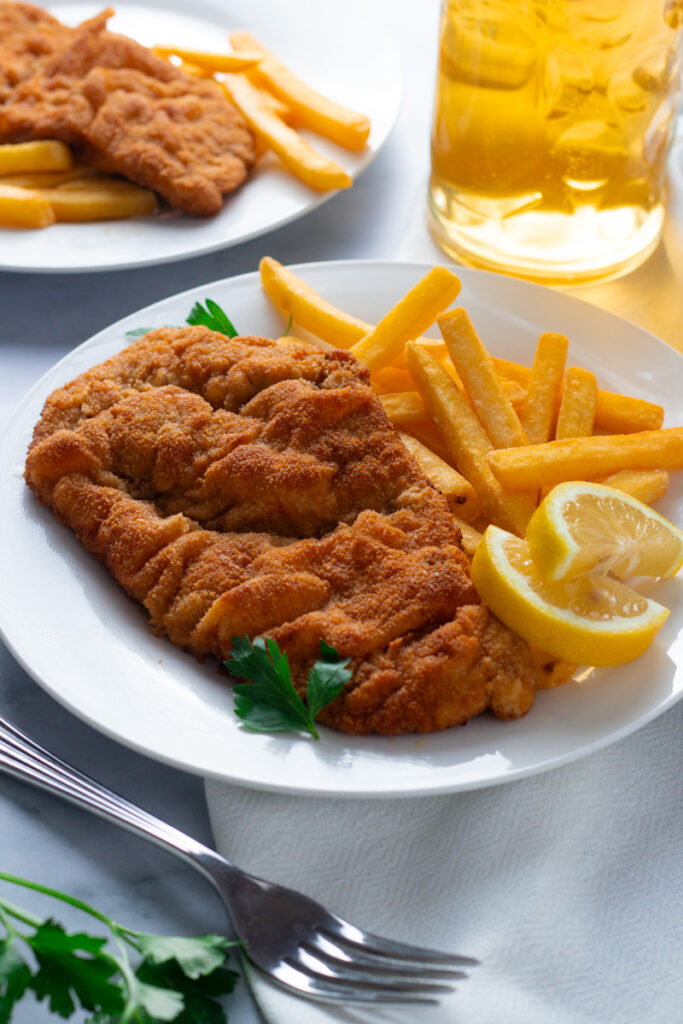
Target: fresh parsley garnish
x,y
288,328
269,702
175,978
212,317
137,332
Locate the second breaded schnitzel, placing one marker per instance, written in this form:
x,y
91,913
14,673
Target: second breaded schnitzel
x,y
243,486
123,109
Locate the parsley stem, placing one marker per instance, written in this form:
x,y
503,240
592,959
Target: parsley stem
x,y
5,919
55,894
19,915
128,975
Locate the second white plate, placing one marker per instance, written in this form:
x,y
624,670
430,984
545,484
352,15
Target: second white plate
x,y
85,642
340,50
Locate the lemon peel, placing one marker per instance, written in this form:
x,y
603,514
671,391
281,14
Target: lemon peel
x,y
590,620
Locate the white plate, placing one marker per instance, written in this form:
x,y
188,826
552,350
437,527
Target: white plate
x,y
339,49
86,643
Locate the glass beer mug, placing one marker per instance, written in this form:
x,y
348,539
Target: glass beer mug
x,y
552,124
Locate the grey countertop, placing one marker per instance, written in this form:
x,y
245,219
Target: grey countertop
x,y
41,318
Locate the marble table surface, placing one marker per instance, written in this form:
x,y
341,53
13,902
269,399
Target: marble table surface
x,y
41,318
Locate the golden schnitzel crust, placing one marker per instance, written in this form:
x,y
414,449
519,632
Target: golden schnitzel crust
x,y
123,109
239,486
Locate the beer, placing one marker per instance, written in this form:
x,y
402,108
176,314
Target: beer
x,y
552,124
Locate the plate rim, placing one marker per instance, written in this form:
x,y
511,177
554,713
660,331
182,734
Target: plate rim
x,y
381,790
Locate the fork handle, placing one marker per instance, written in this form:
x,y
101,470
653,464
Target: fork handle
x,y
23,758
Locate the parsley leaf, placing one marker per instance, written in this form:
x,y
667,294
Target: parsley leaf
x,y
64,972
196,957
157,1002
198,996
269,702
138,332
326,679
176,979
15,976
212,317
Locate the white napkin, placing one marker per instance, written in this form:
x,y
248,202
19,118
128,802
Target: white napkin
x,y
567,886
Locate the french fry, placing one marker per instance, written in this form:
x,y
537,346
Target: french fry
x,y
578,404
194,70
513,371
553,672
513,391
212,62
482,383
450,369
50,179
278,108
296,299
311,167
404,408
469,536
390,379
427,433
411,315
308,309
645,484
44,155
458,492
614,413
621,414
24,208
433,345
345,127
584,458
107,200
466,441
539,412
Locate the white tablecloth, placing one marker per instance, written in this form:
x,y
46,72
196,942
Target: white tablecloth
x,y
566,886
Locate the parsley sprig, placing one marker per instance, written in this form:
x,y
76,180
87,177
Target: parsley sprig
x,y
212,317
269,702
176,979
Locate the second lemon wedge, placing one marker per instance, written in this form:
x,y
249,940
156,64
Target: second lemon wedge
x,y
584,527
590,620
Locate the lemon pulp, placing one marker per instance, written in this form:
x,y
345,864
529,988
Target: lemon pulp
x,y
590,620
584,527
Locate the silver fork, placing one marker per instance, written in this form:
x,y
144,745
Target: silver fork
x,y
293,939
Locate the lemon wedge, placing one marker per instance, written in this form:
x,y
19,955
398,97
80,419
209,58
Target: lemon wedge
x,y
584,527
590,620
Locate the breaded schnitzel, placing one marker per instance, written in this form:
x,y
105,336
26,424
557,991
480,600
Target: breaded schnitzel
x,y
243,486
122,108
27,35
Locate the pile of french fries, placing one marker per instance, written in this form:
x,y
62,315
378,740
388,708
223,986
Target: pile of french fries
x,y
275,102
492,435
40,183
